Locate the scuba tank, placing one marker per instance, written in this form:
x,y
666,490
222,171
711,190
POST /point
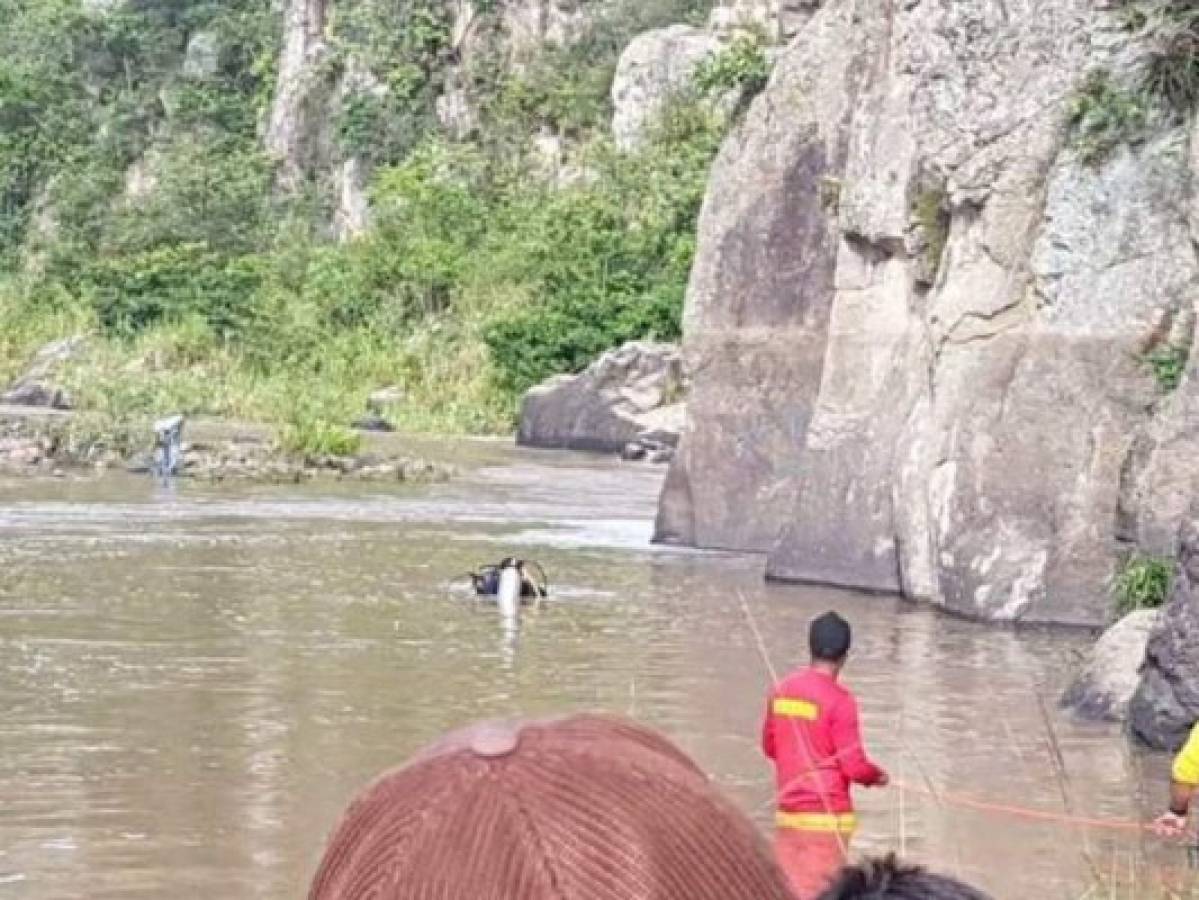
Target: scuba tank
x,y
532,582
508,597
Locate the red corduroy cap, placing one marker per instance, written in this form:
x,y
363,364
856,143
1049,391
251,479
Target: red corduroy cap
x,y
582,808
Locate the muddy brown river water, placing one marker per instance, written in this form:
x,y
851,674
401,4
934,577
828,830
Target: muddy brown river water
x,y
194,681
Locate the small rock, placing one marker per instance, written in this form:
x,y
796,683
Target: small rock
x,y
373,422
661,455
37,393
36,387
1106,684
659,437
633,452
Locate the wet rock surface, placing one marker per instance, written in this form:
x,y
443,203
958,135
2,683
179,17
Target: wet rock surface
x,y
1166,704
1108,680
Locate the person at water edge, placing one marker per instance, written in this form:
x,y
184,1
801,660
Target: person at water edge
x,y
889,879
582,808
811,733
1184,782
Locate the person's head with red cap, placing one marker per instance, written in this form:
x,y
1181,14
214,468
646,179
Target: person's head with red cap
x,y
581,808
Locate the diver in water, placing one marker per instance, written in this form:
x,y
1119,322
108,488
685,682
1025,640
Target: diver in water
x,y
533,583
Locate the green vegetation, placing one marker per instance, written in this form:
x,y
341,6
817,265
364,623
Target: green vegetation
x,y
311,435
1144,582
1170,31
136,206
1168,364
742,67
931,212
405,47
1103,116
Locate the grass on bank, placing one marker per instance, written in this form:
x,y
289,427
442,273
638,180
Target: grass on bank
x,y
213,295
471,288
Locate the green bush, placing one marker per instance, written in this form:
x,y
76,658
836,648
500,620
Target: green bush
x,y
406,46
171,283
1102,116
1144,582
314,436
742,66
607,261
1168,364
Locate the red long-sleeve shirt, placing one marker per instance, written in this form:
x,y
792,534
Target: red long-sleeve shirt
x,y
811,732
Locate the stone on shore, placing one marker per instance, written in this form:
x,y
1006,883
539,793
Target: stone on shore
x,y
623,395
1104,687
38,386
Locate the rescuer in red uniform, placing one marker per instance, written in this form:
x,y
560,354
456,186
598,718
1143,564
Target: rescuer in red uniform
x,y
811,732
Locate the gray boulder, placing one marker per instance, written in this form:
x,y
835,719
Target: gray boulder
x,y
1104,688
203,55
37,386
653,68
623,394
1166,703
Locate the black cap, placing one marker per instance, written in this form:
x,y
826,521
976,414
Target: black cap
x,y
829,637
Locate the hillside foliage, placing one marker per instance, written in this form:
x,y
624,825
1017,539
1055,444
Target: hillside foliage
x,y
137,205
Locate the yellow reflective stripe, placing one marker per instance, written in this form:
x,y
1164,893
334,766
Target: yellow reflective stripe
x,y
795,709
842,822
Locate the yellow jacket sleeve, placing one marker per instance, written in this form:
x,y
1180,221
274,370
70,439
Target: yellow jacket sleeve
x,y
1186,764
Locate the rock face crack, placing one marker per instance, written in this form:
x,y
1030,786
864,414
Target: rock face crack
x,y
1005,318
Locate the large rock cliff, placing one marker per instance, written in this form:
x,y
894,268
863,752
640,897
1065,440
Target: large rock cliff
x,y
918,324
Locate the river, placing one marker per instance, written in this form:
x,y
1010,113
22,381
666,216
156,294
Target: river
x,y
194,681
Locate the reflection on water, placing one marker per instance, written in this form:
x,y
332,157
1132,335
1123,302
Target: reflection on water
x,y
194,682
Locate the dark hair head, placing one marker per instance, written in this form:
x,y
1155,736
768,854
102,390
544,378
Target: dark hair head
x,y
889,879
829,637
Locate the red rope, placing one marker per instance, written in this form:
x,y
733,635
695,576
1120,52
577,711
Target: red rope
x,y
1022,812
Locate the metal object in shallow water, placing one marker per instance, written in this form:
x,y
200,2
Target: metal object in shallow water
x,y
511,583
533,584
168,446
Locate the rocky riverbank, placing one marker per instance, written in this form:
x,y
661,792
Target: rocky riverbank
x,y
43,444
